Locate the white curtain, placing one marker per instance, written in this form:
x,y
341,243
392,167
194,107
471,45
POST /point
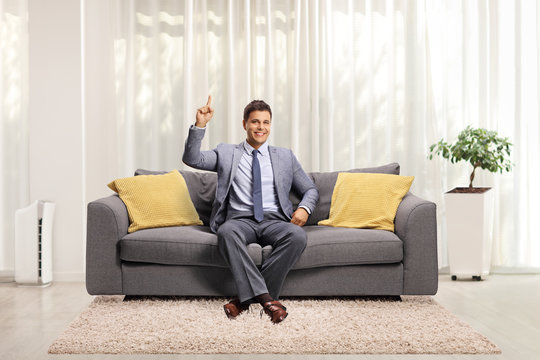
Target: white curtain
x,y
13,124
351,84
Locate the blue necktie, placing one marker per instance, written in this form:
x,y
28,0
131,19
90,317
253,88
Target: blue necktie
x,y
257,188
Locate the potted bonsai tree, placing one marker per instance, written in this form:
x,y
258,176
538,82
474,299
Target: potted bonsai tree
x,y
469,210
480,147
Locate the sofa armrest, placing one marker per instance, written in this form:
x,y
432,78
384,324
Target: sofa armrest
x,y
107,223
416,226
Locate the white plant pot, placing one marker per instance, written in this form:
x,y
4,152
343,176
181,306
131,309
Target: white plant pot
x,y
470,233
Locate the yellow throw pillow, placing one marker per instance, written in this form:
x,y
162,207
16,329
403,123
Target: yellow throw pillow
x,y
368,201
156,201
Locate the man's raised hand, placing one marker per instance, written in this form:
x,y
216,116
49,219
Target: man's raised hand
x,y
204,114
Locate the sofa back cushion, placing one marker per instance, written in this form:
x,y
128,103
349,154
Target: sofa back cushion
x,y
202,189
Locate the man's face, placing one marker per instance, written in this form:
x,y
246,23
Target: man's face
x,y
257,127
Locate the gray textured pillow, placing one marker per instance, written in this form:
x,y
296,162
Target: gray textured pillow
x,y
325,182
201,187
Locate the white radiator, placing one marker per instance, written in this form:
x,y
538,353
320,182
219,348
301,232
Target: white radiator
x,y
33,244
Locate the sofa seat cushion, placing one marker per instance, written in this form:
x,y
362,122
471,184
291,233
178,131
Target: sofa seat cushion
x,y
332,246
180,245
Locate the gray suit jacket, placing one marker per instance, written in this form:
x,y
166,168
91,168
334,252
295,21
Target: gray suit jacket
x,y
224,159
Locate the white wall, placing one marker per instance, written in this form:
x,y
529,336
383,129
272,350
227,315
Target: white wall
x,y
56,140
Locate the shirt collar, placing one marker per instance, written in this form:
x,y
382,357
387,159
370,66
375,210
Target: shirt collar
x,y
263,150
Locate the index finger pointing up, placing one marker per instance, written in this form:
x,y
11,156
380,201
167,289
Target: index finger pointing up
x,y
209,102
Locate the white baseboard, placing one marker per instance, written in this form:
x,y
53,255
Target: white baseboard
x,y
68,277
514,270
7,276
6,273
445,270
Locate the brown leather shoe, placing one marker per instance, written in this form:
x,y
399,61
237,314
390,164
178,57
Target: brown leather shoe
x,y
234,308
275,310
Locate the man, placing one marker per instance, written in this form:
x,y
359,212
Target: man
x,y
252,206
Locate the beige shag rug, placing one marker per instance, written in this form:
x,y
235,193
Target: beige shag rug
x,y
416,325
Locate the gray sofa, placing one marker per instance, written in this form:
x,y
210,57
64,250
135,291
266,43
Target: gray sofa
x,y
337,261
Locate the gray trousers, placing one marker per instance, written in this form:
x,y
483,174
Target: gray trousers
x,y
288,241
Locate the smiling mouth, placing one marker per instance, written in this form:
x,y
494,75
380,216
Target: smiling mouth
x,y
260,134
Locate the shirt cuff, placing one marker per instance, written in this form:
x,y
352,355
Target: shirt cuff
x,y
193,126
306,208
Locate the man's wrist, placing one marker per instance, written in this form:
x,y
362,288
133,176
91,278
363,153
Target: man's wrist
x,y
200,126
305,208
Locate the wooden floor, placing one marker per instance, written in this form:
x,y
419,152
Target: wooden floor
x,y
505,308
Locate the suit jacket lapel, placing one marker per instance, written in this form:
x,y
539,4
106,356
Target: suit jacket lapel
x,y
237,155
274,159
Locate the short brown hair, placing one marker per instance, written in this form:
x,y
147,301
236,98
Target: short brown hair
x,y
256,105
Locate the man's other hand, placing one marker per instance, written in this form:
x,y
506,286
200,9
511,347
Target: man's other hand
x,y
204,114
299,217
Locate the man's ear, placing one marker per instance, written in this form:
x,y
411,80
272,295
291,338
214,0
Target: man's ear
x,y
244,124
